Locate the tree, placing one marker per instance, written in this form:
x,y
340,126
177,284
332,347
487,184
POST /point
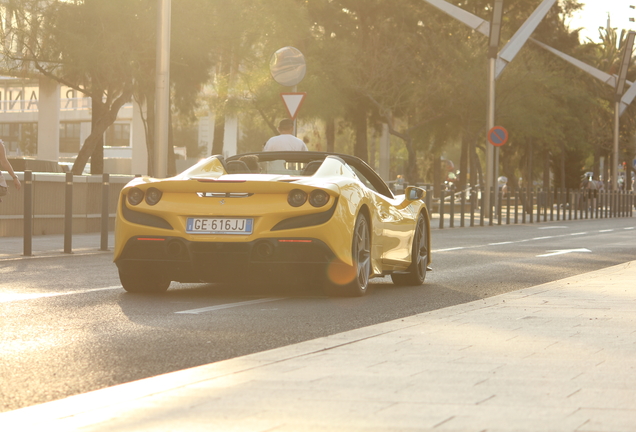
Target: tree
x,y
86,46
245,33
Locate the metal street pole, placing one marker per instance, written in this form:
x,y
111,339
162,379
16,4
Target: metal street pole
x,y
162,89
493,47
620,85
490,149
614,167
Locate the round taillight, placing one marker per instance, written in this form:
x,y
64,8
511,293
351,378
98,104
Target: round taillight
x,y
153,195
318,198
296,198
135,196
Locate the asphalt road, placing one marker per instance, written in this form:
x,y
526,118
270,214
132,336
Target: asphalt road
x,y
68,327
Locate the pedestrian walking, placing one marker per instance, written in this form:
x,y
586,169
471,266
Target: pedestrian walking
x,y
4,163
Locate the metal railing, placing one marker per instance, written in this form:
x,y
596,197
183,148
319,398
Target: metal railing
x,y
529,206
61,203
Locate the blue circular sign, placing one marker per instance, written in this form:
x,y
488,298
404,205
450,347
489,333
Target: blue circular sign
x,y
498,136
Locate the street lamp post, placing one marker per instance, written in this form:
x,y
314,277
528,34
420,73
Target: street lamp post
x,y
162,90
620,86
493,47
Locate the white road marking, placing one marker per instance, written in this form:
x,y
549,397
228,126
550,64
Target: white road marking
x,y
607,230
11,297
521,241
449,249
551,227
564,251
227,306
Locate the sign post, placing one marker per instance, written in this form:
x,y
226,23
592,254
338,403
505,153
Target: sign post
x,y
497,136
293,102
287,66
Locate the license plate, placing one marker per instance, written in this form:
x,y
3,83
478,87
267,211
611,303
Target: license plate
x,y
219,225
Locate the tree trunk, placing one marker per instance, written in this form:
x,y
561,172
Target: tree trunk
x,y
563,156
437,175
150,131
219,115
102,122
411,170
463,162
172,160
219,132
529,180
360,147
97,156
479,174
330,134
597,162
546,172
475,179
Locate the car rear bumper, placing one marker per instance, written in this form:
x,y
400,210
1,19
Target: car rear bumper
x,y
186,261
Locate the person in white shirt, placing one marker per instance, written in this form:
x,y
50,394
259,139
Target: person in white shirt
x,y
286,141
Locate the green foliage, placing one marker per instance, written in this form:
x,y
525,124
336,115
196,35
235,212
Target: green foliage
x,y
368,62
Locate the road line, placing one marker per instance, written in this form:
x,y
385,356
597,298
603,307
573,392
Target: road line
x,y
520,241
563,252
11,297
450,249
227,306
606,230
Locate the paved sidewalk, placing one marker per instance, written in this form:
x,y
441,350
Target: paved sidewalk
x,y
555,357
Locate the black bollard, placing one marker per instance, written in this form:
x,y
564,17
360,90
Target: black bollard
x,y
105,212
28,214
68,214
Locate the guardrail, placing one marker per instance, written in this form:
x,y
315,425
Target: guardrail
x,y
56,203
530,206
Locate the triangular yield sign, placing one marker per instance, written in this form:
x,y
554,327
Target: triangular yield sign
x,y
293,101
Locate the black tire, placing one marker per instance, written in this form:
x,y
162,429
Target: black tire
x,y
361,255
416,273
143,282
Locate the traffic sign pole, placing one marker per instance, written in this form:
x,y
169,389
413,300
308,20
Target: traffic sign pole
x,y
287,66
497,136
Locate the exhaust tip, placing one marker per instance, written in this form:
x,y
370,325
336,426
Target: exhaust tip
x,y
175,248
264,250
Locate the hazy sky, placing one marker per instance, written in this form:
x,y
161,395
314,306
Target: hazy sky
x,y
594,15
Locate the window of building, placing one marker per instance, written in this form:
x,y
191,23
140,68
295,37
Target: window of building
x,y
70,137
20,138
118,135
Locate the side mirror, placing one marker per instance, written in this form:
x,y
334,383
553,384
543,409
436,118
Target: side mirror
x,y
414,193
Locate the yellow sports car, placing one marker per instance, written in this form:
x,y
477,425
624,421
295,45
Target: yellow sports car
x,y
267,214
